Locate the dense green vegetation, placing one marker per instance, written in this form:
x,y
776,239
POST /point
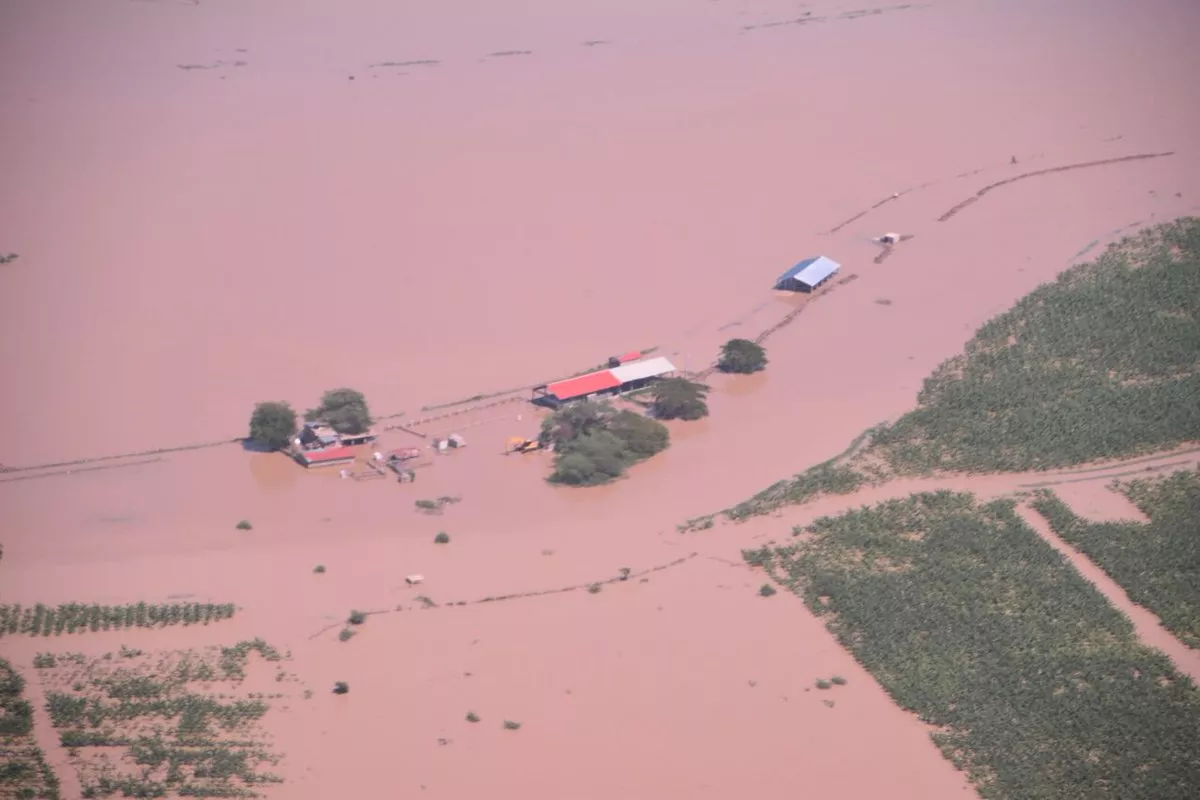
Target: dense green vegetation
x,y
273,425
185,743
595,443
43,620
1035,684
1157,563
344,409
679,398
24,772
1102,363
742,356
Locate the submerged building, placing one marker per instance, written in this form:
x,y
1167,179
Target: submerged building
x,y
603,383
808,274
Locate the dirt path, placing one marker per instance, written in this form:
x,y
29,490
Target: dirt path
x,y
1147,626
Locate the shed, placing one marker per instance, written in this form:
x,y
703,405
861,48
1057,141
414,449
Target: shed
x,y
808,274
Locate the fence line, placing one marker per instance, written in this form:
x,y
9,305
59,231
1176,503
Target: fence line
x,y
1036,173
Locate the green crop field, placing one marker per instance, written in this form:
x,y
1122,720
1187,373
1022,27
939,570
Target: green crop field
x,y
41,620
1157,563
1034,684
1103,363
179,717
24,773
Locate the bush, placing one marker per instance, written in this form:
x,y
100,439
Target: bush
x,y
838,680
319,569
346,634
442,538
643,437
742,356
344,409
341,687
472,716
824,684
679,398
244,525
357,617
594,588
273,425
767,590
509,725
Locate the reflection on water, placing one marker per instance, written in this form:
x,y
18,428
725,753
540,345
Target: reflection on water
x,y
741,385
274,470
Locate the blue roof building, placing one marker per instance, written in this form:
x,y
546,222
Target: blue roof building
x,y
808,274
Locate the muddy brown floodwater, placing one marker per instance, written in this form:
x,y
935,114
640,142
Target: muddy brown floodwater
x,y
223,202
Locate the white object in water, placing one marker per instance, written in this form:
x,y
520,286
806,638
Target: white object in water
x,y
413,580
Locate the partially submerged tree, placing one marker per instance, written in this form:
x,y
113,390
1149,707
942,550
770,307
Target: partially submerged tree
x,y
595,443
345,409
679,398
273,425
574,420
742,356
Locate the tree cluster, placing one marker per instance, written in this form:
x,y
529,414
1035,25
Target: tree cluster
x,y
679,398
742,356
273,425
594,443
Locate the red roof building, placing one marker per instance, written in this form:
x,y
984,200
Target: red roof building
x,y
584,385
327,457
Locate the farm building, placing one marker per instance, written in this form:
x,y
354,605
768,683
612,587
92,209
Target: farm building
x,y
326,457
317,435
808,274
625,378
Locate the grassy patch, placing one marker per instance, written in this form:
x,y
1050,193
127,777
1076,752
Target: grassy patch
x,y
1101,364
442,538
245,525
1037,687
1157,563
178,718
437,505
40,620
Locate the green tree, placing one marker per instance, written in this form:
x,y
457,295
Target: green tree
x,y
593,458
679,398
572,421
273,425
643,437
345,409
742,356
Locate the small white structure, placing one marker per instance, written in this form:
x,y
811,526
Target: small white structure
x,y
413,580
455,440
889,238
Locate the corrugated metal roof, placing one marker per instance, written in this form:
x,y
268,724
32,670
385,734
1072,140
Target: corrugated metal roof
x,y
328,454
639,370
584,385
811,271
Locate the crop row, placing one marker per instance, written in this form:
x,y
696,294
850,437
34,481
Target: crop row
x,y
41,620
1158,563
24,772
1035,685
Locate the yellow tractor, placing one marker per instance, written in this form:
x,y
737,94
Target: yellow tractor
x,y
518,444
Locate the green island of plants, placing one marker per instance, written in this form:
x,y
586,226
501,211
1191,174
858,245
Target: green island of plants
x,y
41,620
1034,684
162,713
1157,563
1098,364
24,772
594,443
